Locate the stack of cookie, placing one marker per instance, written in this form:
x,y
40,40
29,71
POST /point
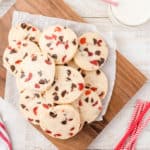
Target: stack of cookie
x,y
58,76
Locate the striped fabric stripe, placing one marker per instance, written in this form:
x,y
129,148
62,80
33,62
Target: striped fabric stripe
x,y
4,136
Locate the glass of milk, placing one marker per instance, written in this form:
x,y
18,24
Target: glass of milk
x,y
130,12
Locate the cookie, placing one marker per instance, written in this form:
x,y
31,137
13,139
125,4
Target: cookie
x,y
37,72
29,111
68,85
89,105
13,57
92,52
61,121
29,103
23,31
60,42
96,80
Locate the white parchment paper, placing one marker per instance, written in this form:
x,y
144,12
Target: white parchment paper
x,y
5,5
11,93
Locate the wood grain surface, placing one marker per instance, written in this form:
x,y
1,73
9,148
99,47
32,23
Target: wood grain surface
x,y
128,79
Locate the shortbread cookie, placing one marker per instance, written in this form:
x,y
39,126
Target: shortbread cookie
x,y
37,73
96,80
13,57
29,110
89,105
92,52
29,103
60,42
61,121
23,31
68,85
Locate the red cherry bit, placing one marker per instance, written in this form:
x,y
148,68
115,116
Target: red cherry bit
x,y
95,103
58,134
80,103
94,89
94,62
33,29
83,40
81,86
29,119
48,131
29,77
63,59
19,43
57,29
35,110
37,86
45,106
87,92
48,62
18,61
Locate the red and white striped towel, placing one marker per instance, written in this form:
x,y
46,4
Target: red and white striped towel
x,y
5,142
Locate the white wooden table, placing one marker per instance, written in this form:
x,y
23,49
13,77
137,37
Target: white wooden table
x,y
134,43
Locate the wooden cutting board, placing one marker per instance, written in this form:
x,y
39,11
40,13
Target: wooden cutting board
x,y
128,79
